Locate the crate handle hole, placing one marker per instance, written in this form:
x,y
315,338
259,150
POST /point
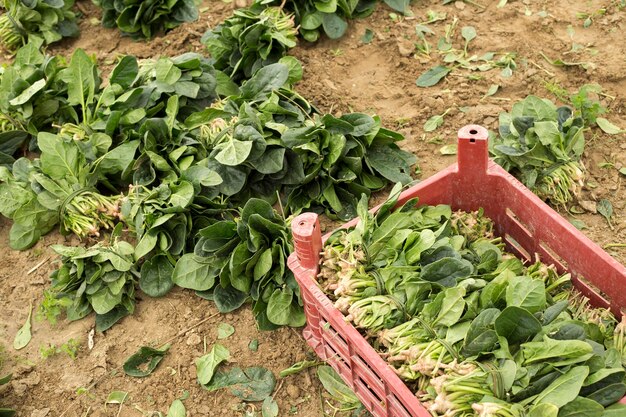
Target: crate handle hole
x,y
473,132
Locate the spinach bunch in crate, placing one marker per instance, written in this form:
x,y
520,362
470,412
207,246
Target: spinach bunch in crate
x,y
41,21
249,40
469,327
542,145
146,18
100,278
243,257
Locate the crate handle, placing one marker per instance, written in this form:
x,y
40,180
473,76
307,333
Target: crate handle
x,y
473,149
307,239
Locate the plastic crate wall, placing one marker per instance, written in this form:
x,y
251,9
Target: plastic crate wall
x,y
527,225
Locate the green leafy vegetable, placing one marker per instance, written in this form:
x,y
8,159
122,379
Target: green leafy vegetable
x,y
337,391
608,127
207,364
224,330
269,407
141,20
541,145
434,122
23,336
177,409
100,278
249,256
116,397
251,384
605,208
41,21
432,76
471,328
253,38
145,361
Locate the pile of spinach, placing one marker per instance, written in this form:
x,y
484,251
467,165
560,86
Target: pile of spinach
x,y
59,187
100,278
313,18
189,163
469,327
243,257
32,97
146,18
249,40
317,17
42,21
541,145
268,139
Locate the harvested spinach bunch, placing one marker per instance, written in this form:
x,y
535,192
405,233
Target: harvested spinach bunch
x,y
342,159
541,145
317,17
146,18
189,76
42,21
253,38
469,327
32,98
246,257
59,187
269,138
162,220
100,278
19,202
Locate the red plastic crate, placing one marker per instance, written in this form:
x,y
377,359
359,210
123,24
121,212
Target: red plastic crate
x,y
527,225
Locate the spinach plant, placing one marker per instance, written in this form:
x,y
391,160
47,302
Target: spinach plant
x,y
42,21
144,19
249,40
317,17
60,187
100,278
246,257
32,98
542,145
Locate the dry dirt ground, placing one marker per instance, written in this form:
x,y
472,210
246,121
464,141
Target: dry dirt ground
x,y
340,76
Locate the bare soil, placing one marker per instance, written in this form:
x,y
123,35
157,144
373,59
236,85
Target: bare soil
x,y
340,76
